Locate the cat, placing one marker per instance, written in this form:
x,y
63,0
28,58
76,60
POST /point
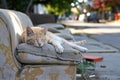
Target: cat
x,y
38,36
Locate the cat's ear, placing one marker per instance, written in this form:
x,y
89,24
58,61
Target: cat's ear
x,y
44,31
29,31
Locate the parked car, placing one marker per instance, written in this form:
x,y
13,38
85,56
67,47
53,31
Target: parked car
x,y
92,17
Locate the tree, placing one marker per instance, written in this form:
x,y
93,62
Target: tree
x,y
52,6
58,7
20,5
4,4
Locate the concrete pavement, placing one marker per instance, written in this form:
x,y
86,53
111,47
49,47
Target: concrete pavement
x,y
109,39
111,60
94,45
79,24
109,68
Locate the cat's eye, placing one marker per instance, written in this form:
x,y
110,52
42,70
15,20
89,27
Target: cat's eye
x,y
30,41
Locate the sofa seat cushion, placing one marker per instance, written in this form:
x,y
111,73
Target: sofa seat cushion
x,y
66,34
57,29
52,25
53,30
29,54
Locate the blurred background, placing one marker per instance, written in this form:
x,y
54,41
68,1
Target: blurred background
x,y
96,21
97,11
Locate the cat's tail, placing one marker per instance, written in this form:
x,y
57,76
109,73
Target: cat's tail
x,y
82,42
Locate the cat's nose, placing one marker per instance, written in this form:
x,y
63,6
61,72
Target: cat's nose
x,y
40,44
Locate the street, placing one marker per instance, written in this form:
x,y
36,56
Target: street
x,y
110,39
109,68
111,60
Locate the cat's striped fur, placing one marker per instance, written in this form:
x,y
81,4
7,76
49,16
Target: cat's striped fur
x,y
38,36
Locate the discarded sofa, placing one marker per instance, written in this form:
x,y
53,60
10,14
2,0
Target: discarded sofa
x,y
24,62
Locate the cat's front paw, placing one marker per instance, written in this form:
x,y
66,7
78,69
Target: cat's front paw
x,y
59,49
83,50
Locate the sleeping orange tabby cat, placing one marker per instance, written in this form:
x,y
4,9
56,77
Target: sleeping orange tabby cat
x,y
38,36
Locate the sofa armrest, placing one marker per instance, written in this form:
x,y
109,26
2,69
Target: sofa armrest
x,y
29,54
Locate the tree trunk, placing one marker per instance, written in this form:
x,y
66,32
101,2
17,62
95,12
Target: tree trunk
x,y
4,4
29,5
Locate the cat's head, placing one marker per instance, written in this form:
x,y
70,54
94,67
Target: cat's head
x,y
36,36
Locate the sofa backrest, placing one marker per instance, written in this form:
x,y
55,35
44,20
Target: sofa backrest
x,y
42,18
15,22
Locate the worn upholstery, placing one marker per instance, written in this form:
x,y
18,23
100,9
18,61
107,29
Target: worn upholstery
x,y
41,18
48,21
52,25
58,29
30,66
16,22
66,34
30,54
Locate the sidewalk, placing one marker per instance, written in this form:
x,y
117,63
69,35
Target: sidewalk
x,y
102,40
108,69
97,36
78,24
95,46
